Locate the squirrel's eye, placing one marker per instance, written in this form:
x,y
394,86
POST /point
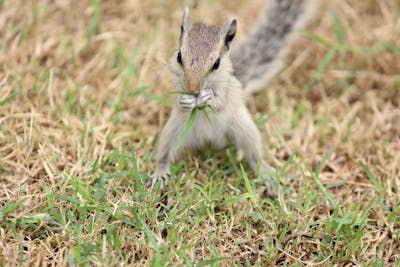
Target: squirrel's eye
x,y
216,65
179,58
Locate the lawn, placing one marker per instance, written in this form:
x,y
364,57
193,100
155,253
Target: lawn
x,y
84,92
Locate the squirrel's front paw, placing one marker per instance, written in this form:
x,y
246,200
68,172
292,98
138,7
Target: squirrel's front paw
x,y
187,101
162,177
204,97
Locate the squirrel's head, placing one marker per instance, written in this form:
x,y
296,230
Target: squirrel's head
x,y
202,52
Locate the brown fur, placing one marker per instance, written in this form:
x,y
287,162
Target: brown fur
x,y
197,47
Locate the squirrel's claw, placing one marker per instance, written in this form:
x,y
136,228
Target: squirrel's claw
x,y
163,178
270,189
204,97
187,101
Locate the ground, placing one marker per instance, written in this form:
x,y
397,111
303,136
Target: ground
x,y
84,93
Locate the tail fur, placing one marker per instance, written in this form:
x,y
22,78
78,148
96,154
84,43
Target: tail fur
x,y
261,55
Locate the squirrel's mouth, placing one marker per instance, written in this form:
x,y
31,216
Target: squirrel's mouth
x,y
191,92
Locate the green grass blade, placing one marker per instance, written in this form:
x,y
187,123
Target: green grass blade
x,y
250,191
360,230
81,188
319,39
179,92
301,109
156,98
95,21
321,68
317,181
50,196
330,198
324,160
135,170
208,117
390,47
187,128
210,261
145,228
143,91
338,29
10,207
287,164
8,99
212,109
135,173
201,189
373,179
239,198
249,188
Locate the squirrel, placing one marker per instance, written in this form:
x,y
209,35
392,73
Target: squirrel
x,y
210,76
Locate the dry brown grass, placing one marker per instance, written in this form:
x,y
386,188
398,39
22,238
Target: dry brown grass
x,y
75,104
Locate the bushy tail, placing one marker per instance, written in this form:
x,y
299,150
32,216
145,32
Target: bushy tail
x,y
259,57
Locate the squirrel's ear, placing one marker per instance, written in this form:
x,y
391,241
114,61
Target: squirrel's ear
x,y
185,25
185,21
229,32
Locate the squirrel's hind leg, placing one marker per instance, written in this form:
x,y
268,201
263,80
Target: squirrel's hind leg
x,y
247,138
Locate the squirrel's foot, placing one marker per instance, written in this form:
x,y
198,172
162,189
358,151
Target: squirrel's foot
x,y
163,178
268,177
187,101
270,189
204,97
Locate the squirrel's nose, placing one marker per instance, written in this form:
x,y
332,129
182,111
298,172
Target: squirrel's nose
x,y
192,87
